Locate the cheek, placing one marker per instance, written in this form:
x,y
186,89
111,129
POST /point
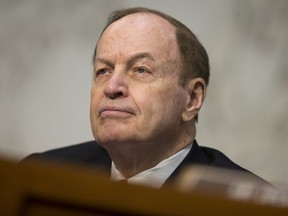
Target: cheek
x,y
94,103
95,97
159,102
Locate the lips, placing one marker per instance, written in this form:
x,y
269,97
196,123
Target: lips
x,y
115,112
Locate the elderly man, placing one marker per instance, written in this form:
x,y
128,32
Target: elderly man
x,y
150,80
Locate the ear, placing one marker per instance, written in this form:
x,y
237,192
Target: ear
x,y
196,93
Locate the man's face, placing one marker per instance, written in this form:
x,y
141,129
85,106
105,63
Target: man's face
x,y
135,94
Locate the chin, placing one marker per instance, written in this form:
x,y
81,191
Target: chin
x,y
113,139
110,137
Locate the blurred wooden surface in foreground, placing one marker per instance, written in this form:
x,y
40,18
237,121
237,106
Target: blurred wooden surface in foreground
x,y
31,189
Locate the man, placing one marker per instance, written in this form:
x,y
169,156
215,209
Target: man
x,y
150,81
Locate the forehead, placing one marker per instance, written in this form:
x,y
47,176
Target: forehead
x,y
143,20
139,30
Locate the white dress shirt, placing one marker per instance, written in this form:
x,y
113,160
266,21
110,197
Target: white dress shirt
x,y
155,176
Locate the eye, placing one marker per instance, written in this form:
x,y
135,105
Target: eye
x,y
101,72
141,70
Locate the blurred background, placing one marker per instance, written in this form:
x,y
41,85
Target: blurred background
x,y
46,51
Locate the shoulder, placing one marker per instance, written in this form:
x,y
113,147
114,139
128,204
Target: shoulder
x,y
214,158
218,159
87,153
209,157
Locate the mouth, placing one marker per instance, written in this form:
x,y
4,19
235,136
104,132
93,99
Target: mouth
x,y
115,112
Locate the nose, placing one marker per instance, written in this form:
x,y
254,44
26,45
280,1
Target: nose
x,y
116,86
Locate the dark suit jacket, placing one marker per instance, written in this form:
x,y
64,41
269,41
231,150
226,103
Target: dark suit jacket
x,y
91,154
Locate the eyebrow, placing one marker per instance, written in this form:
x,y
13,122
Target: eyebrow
x,y
138,56
131,61
104,61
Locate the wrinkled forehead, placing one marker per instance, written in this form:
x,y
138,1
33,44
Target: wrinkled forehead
x,y
141,29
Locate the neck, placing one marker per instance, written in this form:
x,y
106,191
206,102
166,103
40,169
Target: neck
x,y
131,158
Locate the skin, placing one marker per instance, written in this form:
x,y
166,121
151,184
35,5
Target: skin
x,y
139,112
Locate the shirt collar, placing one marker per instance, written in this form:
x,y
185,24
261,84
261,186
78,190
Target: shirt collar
x,y
157,175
